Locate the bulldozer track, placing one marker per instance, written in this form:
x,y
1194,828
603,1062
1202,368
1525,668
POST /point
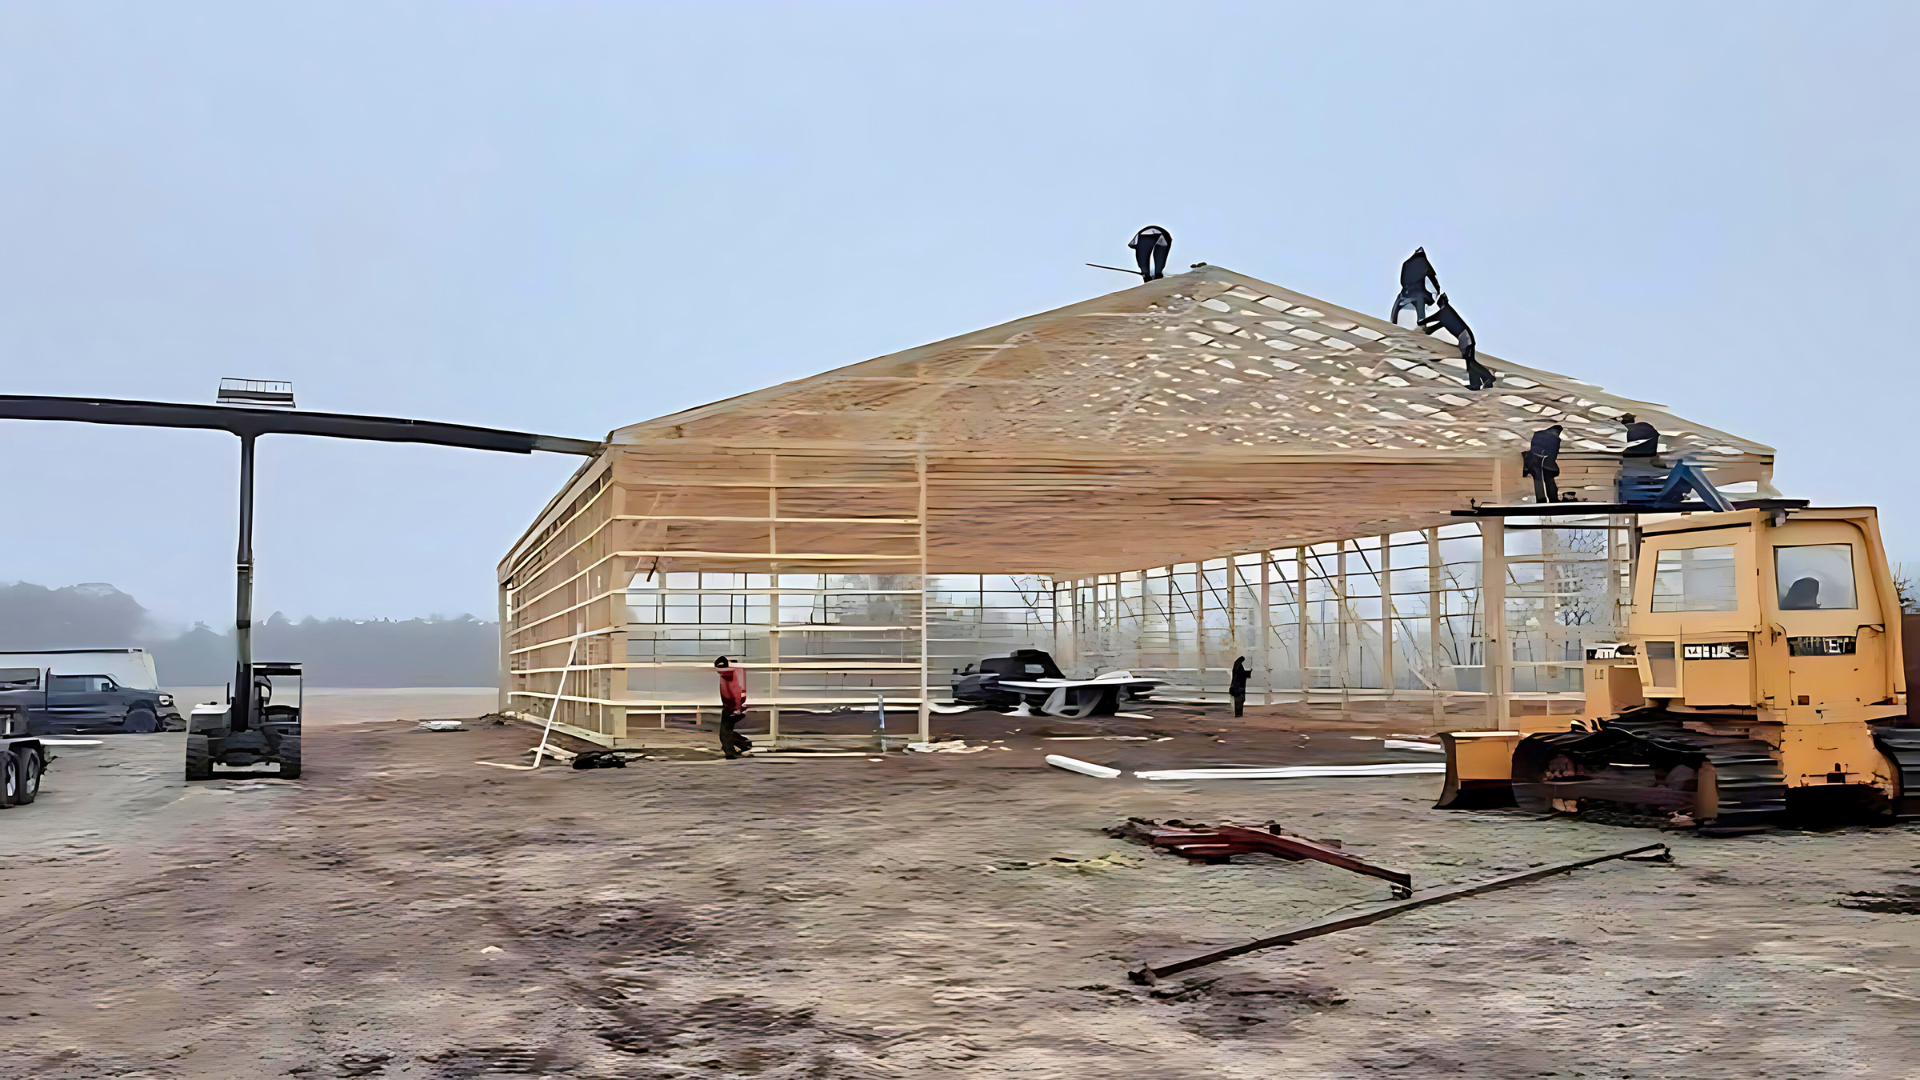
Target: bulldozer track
x,y
1750,788
1903,746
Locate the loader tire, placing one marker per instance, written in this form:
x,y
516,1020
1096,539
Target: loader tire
x,y
199,758
9,779
29,784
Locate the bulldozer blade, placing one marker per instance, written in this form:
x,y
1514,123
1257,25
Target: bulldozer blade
x,y
1479,770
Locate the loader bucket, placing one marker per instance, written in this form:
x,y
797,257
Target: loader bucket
x,y
1479,769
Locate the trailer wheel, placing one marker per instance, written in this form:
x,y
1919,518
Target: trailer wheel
x,y
29,788
9,779
199,758
290,756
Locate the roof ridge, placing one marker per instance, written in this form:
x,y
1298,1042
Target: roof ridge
x,y
1130,392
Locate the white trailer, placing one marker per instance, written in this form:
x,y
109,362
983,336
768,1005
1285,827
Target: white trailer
x,y
132,668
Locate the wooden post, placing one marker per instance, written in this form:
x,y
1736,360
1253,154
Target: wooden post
x,y
506,648
1435,570
926,712
1493,603
1056,617
1343,616
773,601
1200,624
615,677
1623,604
1233,605
1300,596
1386,614
1266,625
1553,639
1073,617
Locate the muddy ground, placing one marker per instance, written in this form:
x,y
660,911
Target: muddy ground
x,y
405,912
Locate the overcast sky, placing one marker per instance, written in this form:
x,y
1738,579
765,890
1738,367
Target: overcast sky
x,y
566,217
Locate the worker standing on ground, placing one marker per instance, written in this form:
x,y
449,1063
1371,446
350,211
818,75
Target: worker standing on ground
x,y
1237,688
1414,275
733,709
1151,246
1445,318
1642,439
1542,462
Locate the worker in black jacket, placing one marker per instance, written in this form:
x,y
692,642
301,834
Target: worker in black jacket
x,y
1445,318
1237,686
1542,462
1642,439
1414,275
1150,248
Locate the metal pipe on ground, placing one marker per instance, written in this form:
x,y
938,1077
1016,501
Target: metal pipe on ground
x,y
1147,975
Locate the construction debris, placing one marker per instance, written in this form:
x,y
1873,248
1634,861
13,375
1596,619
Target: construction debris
x,y
949,746
1423,747
1147,975
1084,767
441,725
1109,861
1220,843
538,752
597,759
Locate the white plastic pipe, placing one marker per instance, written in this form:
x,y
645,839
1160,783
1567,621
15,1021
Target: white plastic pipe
x,y
1296,772
1085,767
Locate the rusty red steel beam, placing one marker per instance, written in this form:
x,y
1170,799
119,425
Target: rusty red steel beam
x,y
1302,848
1179,838
1212,851
1225,841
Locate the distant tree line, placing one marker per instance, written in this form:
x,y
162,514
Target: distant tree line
x,y
462,651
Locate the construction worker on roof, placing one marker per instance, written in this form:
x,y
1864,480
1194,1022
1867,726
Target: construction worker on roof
x,y
1445,318
1150,248
1414,275
1642,439
1541,460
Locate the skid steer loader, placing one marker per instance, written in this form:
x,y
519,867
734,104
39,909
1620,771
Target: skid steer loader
x,y
1762,672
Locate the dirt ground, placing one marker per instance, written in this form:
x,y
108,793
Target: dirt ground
x,y
404,912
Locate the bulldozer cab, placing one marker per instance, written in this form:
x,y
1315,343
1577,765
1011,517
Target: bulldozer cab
x,y
1792,615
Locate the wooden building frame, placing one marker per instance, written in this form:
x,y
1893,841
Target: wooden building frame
x,y
1159,479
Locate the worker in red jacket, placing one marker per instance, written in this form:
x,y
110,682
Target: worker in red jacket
x,y
733,709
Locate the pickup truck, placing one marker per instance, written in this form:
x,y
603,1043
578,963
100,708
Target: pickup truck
x,y
72,704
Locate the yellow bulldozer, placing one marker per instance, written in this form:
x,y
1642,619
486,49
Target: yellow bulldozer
x,y
1762,674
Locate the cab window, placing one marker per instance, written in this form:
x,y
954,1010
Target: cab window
x,y
1815,577
1695,579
